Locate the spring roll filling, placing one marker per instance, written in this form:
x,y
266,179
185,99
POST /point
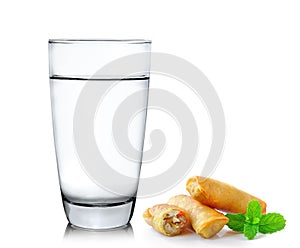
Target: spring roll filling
x,y
173,221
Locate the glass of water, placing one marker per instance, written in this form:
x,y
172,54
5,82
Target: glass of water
x,y
99,96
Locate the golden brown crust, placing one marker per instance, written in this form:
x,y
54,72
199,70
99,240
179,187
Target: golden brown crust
x,y
205,220
148,216
167,219
220,195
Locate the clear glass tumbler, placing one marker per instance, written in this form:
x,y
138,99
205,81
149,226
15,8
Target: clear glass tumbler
x,y
99,97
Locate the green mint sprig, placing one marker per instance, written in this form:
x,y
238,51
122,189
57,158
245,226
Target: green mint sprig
x,y
254,221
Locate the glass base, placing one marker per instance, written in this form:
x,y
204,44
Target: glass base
x,y
99,217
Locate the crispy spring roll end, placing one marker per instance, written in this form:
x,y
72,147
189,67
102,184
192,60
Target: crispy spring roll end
x,y
166,219
148,217
212,228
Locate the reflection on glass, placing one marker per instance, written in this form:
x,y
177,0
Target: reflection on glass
x,y
75,234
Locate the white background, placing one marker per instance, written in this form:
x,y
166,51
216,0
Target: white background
x,y
248,49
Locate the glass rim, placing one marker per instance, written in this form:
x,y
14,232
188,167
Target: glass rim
x,y
99,41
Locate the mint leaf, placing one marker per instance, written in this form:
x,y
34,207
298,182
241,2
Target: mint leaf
x,y
236,222
271,222
250,230
254,221
253,212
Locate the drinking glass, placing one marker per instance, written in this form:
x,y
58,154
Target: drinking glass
x,y
94,85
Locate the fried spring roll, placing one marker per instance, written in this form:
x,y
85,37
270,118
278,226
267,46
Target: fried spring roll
x,y
167,219
220,195
205,220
